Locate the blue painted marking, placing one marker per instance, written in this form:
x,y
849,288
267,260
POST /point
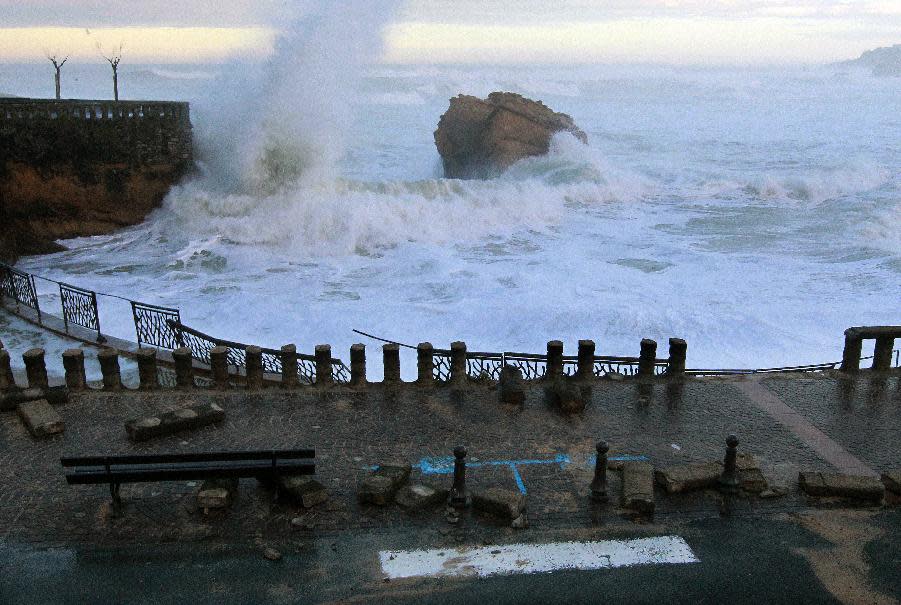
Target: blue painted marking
x,y
444,465
518,478
592,459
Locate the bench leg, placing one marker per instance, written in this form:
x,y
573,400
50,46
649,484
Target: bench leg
x,y
117,500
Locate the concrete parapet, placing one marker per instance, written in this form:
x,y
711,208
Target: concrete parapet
x,y
882,353
323,355
358,365
391,362
678,351
254,367
73,363
148,375
184,368
36,368
647,357
288,356
219,367
425,364
458,363
554,360
586,360
109,368
852,351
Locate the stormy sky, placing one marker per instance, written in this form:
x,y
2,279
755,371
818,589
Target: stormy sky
x,y
487,31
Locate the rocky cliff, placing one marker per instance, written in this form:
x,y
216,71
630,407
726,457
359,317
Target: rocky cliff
x,y
78,168
480,138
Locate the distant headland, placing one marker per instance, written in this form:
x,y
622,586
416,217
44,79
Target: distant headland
x,y
71,168
883,61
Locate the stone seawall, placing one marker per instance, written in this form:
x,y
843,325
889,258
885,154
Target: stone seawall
x,y
75,168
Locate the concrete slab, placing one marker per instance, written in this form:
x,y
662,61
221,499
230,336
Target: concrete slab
x,y
304,489
892,481
418,496
638,487
142,429
216,494
40,418
380,486
503,503
855,487
689,477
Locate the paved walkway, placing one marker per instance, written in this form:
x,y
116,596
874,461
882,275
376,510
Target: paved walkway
x,y
812,422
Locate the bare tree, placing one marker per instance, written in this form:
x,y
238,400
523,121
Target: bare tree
x,y
114,56
58,63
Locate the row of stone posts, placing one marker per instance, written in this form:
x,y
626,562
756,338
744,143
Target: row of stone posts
x,y
882,351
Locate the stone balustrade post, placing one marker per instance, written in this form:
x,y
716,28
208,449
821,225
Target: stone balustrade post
x,y
288,355
586,360
219,367
647,358
73,364
852,351
36,369
358,365
323,355
554,360
458,495
7,380
882,353
391,362
458,363
729,479
184,368
599,484
254,367
109,368
148,372
678,351
425,364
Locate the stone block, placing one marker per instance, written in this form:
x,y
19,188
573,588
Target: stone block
x,y
54,396
380,486
216,494
752,480
834,485
892,481
503,503
511,389
418,496
304,489
689,477
638,487
565,396
142,429
40,418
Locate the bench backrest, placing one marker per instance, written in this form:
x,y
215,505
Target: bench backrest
x,y
271,455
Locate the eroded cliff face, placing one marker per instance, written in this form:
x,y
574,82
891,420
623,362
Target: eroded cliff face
x,y
79,168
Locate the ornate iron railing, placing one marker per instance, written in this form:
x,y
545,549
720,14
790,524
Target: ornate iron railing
x,y
19,286
152,325
80,308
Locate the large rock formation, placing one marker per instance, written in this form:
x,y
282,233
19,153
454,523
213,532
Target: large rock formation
x,y
884,61
480,138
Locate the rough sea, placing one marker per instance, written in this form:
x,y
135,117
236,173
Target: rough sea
x,y
754,212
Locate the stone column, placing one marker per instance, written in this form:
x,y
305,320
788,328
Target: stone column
x,y
73,363
358,365
7,381
425,364
391,361
458,363
148,374
882,353
109,367
36,369
852,351
554,360
184,368
254,363
219,367
324,365
647,357
678,350
586,360
288,355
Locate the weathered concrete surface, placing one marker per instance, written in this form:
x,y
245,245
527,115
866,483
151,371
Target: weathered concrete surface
x,y
216,494
418,496
380,486
12,398
40,418
837,485
303,489
638,487
511,389
502,503
566,396
688,477
480,138
183,419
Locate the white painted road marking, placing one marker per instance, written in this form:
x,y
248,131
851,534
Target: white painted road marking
x,y
535,558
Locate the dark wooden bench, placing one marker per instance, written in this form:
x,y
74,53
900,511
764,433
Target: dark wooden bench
x,y
116,470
